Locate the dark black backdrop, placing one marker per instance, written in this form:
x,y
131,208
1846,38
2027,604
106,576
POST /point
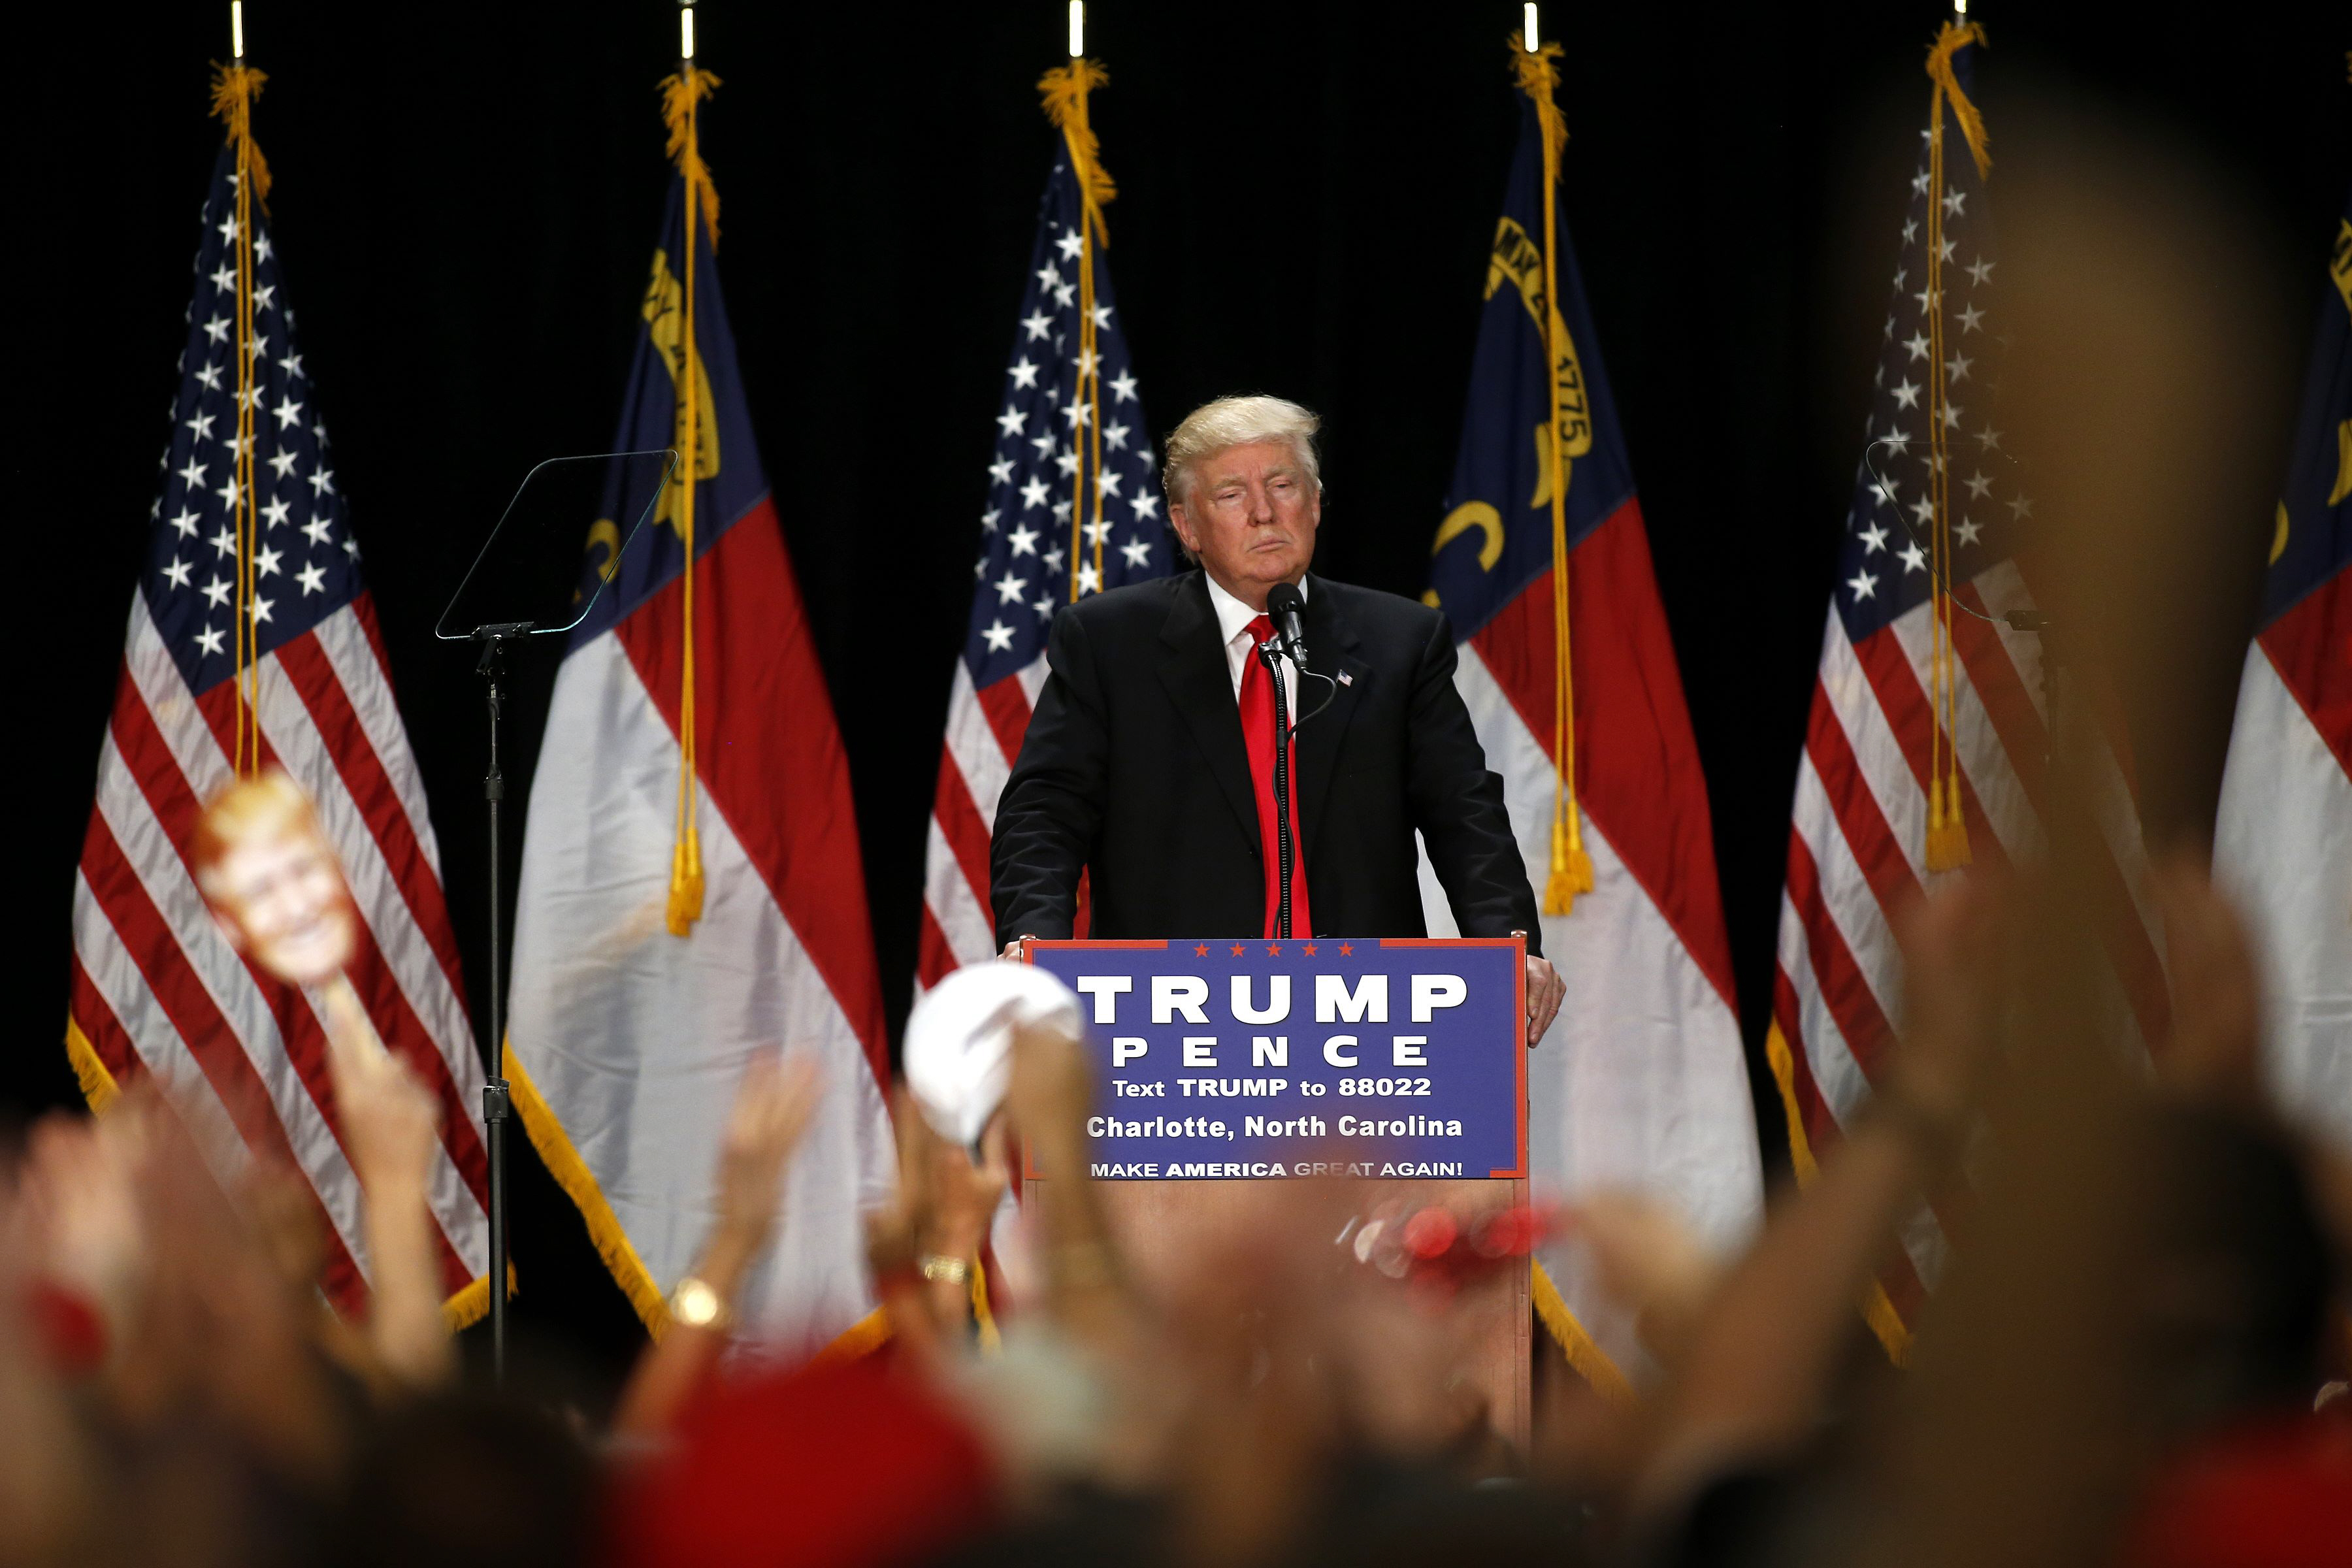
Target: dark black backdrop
x,y
466,198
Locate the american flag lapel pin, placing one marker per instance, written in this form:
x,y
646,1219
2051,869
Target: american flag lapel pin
x,y
1346,679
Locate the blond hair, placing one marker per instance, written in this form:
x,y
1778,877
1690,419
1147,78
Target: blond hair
x,y
269,802
1240,421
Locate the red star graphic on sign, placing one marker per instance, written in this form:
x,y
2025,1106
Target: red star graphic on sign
x,y
1273,949
1348,947
1310,950
1237,950
1200,950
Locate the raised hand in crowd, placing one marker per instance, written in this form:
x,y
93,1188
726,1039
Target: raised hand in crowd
x,y
1047,1099
773,1107
1650,1260
2214,1054
926,1249
49,1472
773,1104
83,1232
391,1130
1756,1369
220,1366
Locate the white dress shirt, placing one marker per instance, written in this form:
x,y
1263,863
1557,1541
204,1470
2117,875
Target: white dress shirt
x,y
1233,619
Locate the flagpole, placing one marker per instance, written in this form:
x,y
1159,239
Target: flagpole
x,y
496,1098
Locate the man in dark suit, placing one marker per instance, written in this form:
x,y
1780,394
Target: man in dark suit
x,y
1149,761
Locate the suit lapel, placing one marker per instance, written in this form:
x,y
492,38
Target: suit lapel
x,y
1333,648
1192,668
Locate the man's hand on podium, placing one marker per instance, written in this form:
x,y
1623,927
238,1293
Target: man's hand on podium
x,y
1545,991
1011,953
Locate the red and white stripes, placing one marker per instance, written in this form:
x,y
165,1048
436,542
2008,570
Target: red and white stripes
x,y
2282,846
983,738
157,990
1856,856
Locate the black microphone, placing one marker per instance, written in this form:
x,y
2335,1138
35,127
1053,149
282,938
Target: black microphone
x,y
1285,603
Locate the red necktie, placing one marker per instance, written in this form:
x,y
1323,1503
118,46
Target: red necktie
x,y
1257,734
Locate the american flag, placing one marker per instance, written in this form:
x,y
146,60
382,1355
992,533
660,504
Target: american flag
x,y
1046,538
1876,738
156,990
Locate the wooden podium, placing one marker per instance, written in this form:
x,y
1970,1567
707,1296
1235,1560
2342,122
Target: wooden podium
x,y
1220,1062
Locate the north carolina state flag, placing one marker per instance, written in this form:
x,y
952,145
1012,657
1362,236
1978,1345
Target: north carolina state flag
x,y
629,1036
1641,1082
2283,840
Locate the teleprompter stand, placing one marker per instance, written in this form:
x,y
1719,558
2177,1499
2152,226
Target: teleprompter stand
x,y
529,580
496,1103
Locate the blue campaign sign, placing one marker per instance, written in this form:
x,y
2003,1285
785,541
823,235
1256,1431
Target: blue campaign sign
x,y
1219,1058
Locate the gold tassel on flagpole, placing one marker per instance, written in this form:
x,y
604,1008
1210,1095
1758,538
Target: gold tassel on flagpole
x,y
1065,90
235,87
1946,847
1538,71
1950,41
682,95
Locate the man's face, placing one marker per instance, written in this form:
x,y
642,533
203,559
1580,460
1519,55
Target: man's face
x,y
1250,516
281,897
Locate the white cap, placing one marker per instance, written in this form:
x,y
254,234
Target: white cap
x,y
959,1045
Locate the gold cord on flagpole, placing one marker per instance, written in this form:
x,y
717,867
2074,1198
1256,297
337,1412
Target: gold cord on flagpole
x,y
1086,395
1065,90
1538,71
1947,849
681,96
1943,852
235,87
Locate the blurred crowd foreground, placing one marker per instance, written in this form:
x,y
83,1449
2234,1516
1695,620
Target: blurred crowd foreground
x,y
2135,1357
2129,1360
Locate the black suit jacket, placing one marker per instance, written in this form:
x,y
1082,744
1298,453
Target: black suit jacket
x,y
1134,770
